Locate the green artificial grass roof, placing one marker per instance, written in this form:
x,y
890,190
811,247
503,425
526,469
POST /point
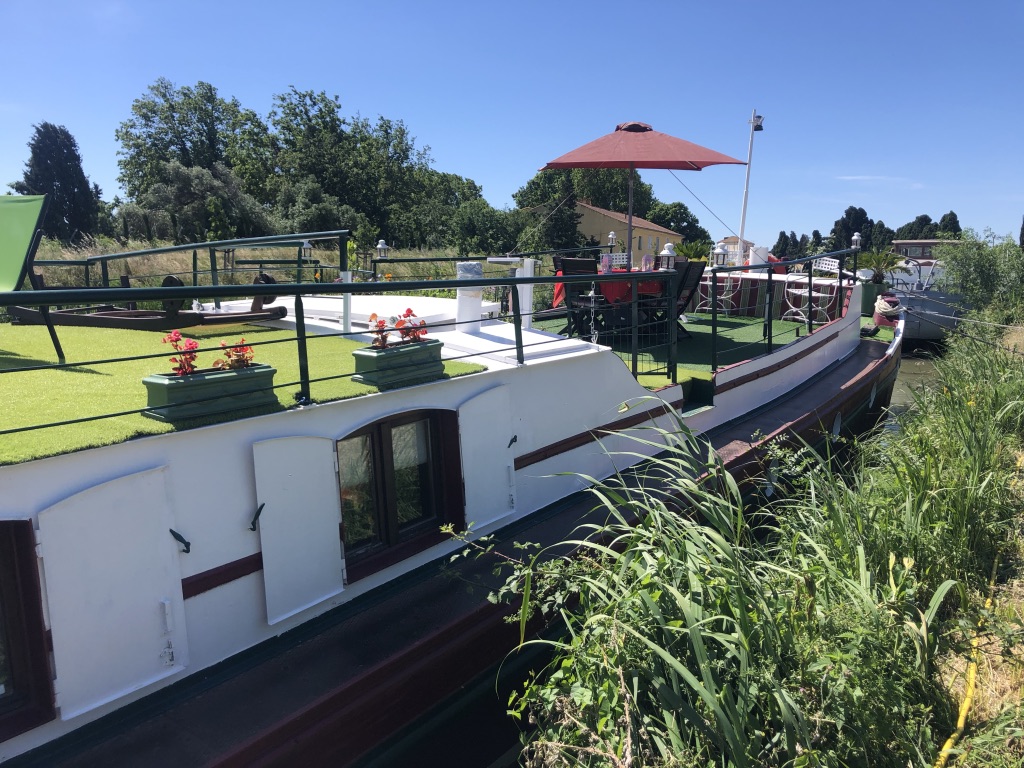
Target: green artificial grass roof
x,y
90,388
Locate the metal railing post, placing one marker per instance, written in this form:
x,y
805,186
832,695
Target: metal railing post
x,y
213,273
714,320
517,319
673,324
105,273
769,305
303,396
810,297
634,312
195,267
345,275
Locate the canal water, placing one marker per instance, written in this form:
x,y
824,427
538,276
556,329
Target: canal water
x,y
917,369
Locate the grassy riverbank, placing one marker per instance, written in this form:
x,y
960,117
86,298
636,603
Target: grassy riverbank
x,y
836,630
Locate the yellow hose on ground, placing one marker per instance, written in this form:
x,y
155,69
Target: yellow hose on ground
x,y
972,678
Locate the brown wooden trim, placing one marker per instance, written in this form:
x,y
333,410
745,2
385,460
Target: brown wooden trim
x,y
812,425
754,376
358,715
221,575
583,438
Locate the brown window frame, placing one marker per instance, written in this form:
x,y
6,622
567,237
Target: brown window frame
x,y
31,702
448,490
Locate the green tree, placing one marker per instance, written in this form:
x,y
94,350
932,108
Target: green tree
x,y
678,218
309,132
551,200
191,126
375,168
427,220
303,206
815,242
202,204
54,167
950,224
481,229
988,271
608,188
921,228
881,237
386,170
794,245
781,248
252,154
853,220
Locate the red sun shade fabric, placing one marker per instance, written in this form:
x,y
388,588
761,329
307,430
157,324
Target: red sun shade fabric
x,y
637,145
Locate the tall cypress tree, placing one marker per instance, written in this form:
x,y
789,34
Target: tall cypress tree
x,y
781,248
54,167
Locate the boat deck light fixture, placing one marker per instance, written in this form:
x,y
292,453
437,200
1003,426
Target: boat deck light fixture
x,y
720,253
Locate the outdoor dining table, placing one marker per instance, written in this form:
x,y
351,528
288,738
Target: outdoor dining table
x,y
617,291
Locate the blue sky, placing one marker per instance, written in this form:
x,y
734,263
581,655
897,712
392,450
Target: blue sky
x,y
902,107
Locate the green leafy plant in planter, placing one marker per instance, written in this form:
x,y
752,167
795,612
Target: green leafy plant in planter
x,y
233,383
412,359
881,263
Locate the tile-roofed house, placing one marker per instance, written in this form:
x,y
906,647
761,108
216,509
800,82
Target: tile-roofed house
x,y
648,238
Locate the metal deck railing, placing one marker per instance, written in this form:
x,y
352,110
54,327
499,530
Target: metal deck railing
x,y
649,343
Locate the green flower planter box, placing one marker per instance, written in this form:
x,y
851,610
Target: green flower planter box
x,y
209,392
868,296
400,365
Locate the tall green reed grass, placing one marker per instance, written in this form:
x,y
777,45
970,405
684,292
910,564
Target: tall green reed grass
x,y
692,638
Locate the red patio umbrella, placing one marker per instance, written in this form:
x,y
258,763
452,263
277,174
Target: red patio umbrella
x,y
636,145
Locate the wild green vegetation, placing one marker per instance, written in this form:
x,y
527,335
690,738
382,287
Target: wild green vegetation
x,y
835,627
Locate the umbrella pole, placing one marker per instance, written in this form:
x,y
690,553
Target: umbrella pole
x,y
629,220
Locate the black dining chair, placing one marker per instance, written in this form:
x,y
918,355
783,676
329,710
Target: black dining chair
x,y
688,287
578,302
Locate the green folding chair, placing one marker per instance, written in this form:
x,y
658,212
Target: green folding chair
x,y
21,229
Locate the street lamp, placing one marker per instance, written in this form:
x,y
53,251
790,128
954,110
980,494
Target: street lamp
x,y
756,124
382,250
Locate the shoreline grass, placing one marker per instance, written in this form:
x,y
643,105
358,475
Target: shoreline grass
x,y
831,636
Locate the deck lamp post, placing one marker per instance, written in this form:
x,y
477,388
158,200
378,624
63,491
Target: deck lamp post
x,y
756,124
305,253
720,254
382,250
855,242
611,241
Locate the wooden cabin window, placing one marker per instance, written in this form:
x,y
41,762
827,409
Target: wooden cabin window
x,y
26,689
399,482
